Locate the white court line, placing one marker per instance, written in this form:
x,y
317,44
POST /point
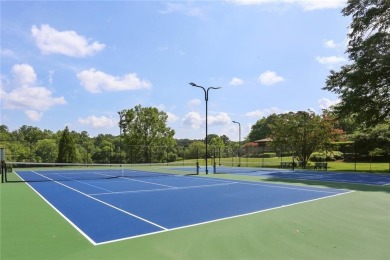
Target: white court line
x,y
263,184
226,218
182,227
158,184
98,187
173,188
58,211
103,202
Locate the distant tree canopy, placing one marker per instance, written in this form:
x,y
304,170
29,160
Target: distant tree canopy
x,y
301,133
66,148
364,84
261,129
145,127
374,141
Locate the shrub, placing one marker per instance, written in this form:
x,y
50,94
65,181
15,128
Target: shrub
x,y
331,156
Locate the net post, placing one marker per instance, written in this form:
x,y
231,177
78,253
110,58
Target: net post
x,y
2,172
215,167
197,168
3,166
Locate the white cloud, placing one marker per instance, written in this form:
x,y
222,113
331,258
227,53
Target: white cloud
x,y
172,117
264,112
236,81
270,78
68,43
23,74
183,8
97,81
26,95
325,103
193,102
192,120
219,119
33,115
331,60
307,5
7,53
330,44
97,122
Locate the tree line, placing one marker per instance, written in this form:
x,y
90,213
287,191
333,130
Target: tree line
x,y
146,138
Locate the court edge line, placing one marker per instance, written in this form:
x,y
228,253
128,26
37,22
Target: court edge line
x,y
59,212
104,203
333,181
328,175
280,186
221,219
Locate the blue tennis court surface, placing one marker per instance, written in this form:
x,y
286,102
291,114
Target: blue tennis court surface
x,y
326,176
108,210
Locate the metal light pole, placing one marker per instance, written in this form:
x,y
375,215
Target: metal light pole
x,y
121,114
239,142
206,98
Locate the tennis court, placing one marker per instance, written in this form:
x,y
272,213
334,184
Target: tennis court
x,y
107,205
307,175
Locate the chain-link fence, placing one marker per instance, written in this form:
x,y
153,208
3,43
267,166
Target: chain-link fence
x,y
346,156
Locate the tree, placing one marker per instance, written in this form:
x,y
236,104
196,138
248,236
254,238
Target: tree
x,y
261,129
225,139
67,148
210,137
217,146
146,135
364,84
301,133
46,150
373,139
196,150
347,124
103,152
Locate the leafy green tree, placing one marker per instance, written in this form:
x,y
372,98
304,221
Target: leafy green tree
x,y
85,146
103,152
210,137
217,146
183,142
373,139
347,123
301,133
146,135
196,150
364,84
46,150
32,134
4,133
225,139
261,129
67,148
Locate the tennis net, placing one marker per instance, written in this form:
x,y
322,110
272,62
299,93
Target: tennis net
x,y
40,172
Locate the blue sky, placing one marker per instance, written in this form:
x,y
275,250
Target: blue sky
x,y
77,63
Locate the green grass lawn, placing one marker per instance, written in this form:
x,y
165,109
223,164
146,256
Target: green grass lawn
x,y
351,226
275,162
